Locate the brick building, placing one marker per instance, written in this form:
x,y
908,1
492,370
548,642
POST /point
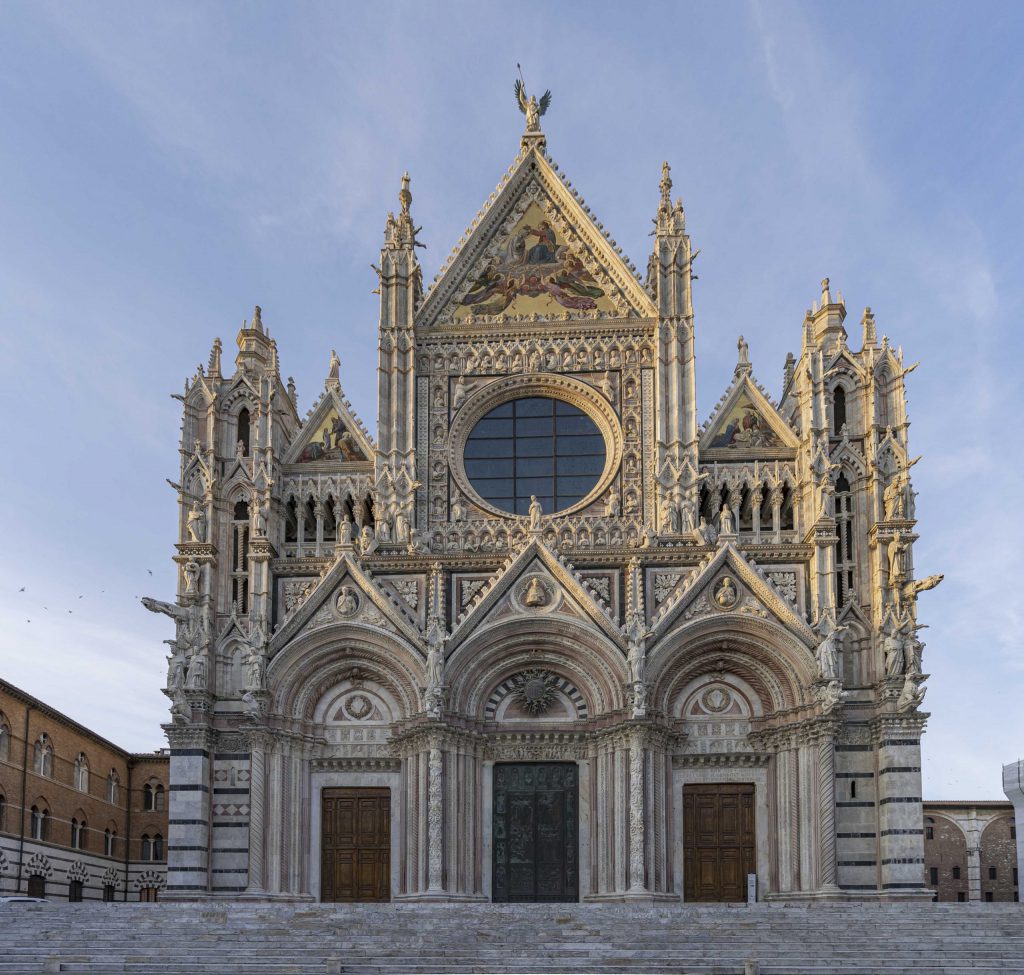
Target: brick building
x,y
970,851
80,818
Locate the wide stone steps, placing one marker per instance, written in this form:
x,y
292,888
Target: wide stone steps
x,y
406,939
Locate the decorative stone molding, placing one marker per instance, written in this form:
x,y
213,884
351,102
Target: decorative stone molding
x,y
38,865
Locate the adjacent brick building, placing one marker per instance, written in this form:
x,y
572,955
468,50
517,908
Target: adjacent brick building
x,y
80,818
970,851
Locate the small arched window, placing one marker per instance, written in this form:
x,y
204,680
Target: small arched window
x,y
40,823
42,756
81,773
5,738
147,847
113,787
108,842
78,834
147,796
243,430
838,410
158,847
158,798
846,563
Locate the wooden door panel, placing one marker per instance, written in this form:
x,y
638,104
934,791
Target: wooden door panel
x,y
718,841
356,845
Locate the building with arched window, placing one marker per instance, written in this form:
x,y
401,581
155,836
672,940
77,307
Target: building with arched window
x,y
548,598
62,829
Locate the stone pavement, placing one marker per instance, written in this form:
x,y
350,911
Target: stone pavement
x,y
275,939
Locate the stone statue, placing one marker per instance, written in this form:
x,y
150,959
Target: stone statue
x,y
383,529
726,521
256,670
345,532
458,511
611,505
252,704
637,660
726,594
639,699
893,498
744,352
401,527
191,571
367,542
179,614
197,672
922,585
334,369
459,393
536,513
176,664
892,647
196,524
912,693
830,695
687,516
435,667
259,517
827,654
181,712
897,552
705,534
348,601
670,521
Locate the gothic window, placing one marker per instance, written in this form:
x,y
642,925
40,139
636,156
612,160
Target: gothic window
x,y
845,560
534,446
330,525
108,842
158,847
147,847
766,506
147,796
745,516
158,798
113,787
838,409
78,834
291,522
5,738
40,823
240,558
882,397
243,430
81,773
42,756
786,515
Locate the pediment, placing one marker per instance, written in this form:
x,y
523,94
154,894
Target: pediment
x,y
331,435
346,594
727,584
535,584
746,424
534,253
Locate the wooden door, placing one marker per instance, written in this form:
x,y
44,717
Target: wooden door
x,y
536,832
355,859
718,841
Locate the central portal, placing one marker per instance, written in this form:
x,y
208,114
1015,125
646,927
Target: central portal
x,y
536,824
718,841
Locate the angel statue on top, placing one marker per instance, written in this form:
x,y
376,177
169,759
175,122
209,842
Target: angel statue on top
x,y
530,107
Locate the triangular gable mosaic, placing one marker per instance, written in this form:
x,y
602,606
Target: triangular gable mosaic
x,y
746,420
534,253
331,433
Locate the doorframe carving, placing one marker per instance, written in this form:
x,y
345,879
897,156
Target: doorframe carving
x,y
710,776
353,780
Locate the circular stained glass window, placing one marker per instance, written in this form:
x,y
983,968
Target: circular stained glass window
x,y
535,445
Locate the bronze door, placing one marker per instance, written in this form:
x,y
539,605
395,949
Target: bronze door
x,y
355,858
536,817
718,841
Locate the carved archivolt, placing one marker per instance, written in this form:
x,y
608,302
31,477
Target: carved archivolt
x,y
563,687
569,390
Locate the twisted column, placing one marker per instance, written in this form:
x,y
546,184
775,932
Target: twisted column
x,y
827,811
435,820
257,801
636,816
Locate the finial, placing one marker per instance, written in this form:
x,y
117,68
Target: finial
x,y
404,196
215,352
257,319
826,298
666,186
868,324
788,370
292,395
333,374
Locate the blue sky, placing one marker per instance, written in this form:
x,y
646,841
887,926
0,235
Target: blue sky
x,y
164,167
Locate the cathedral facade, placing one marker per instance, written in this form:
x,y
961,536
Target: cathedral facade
x,y
547,636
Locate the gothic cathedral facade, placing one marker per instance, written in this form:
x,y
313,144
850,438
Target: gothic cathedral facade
x,y
547,637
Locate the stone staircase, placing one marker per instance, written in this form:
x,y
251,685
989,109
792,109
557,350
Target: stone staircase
x,y
275,939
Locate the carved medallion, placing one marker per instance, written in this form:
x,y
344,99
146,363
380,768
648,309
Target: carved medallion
x,y
347,604
726,593
535,594
358,707
715,700
535,690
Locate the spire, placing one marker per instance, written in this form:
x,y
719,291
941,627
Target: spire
x,y
671,219
870,333
666,188
828,320
788,370
215,352
257,319
255,350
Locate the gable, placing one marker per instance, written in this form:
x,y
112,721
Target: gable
x,y
331,434
534,253
747,423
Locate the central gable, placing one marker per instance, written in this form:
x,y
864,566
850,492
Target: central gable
x,y
534,253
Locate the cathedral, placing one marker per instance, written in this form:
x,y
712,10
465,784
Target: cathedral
x,y
546,634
